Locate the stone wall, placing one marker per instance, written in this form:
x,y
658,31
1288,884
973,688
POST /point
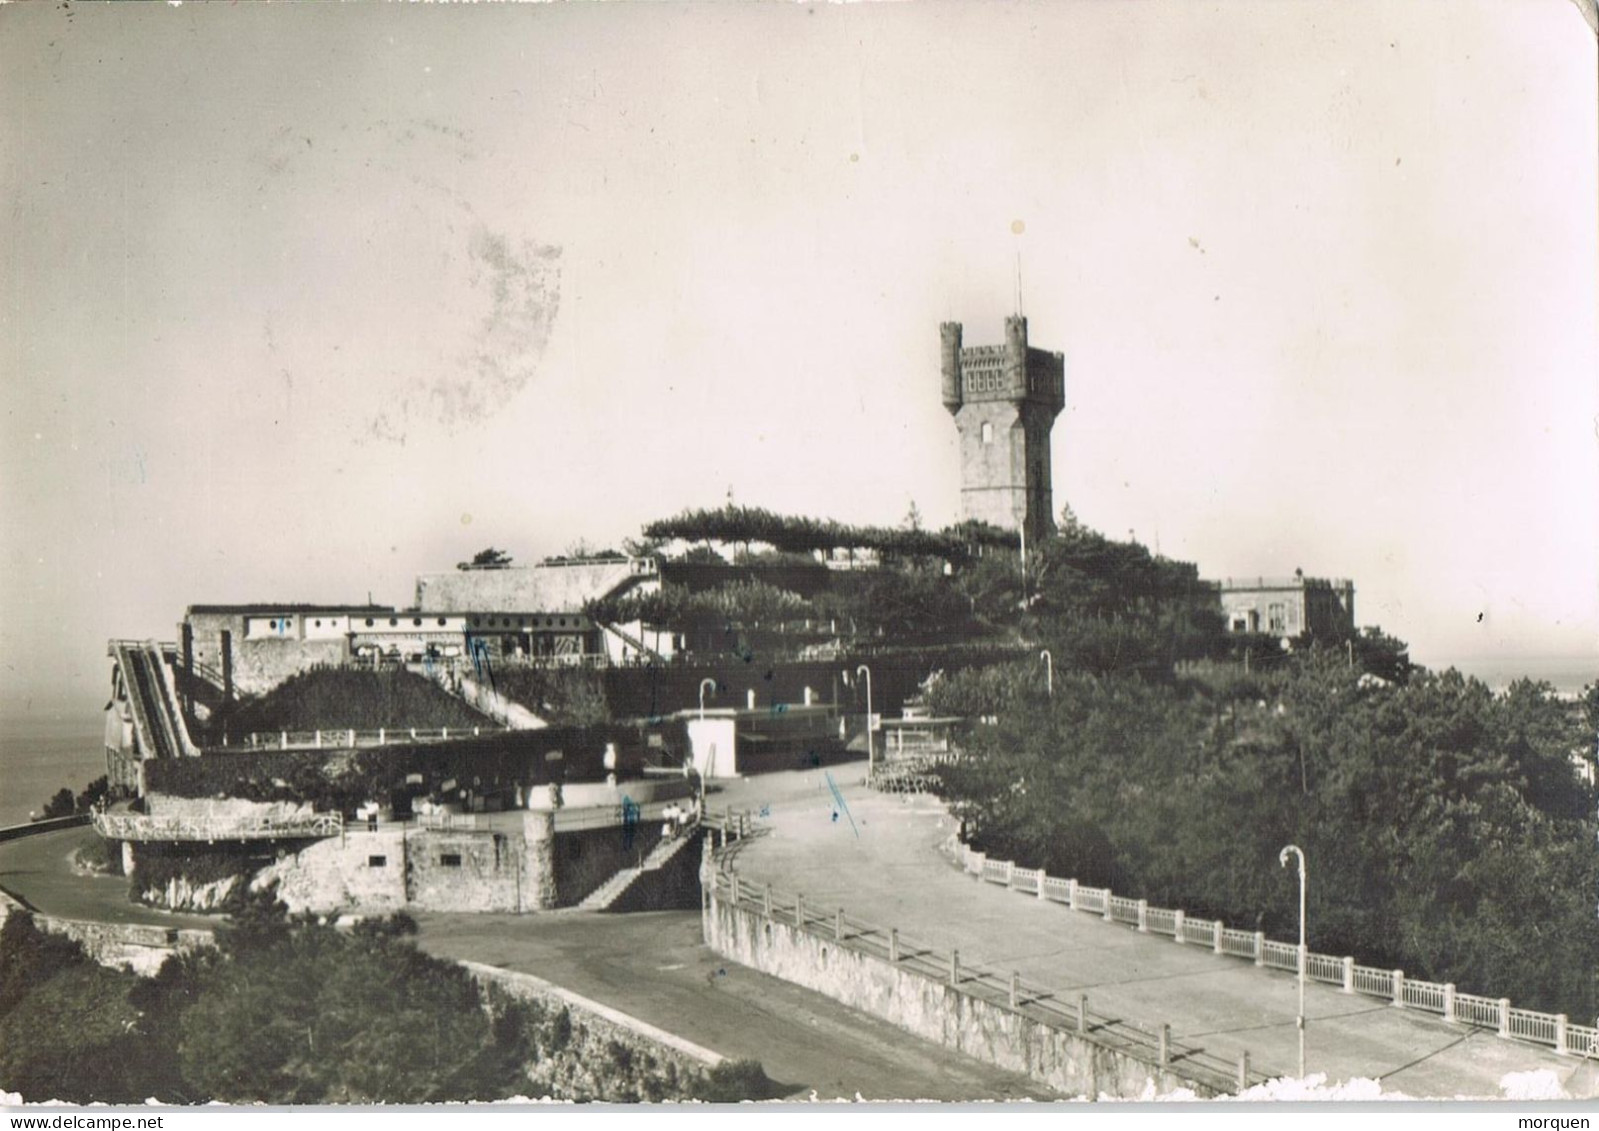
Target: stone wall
x,y
587,1067
361,870
260,665
158,804
134,946
463,870
1071,1064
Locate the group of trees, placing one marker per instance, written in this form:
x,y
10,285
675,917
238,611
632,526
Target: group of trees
x,y
740,525
64,803
1448,832
290,1010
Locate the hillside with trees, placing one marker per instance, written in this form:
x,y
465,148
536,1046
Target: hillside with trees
x,y
292,1010
1448,832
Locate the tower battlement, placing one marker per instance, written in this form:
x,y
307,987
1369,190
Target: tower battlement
x,y
1004,399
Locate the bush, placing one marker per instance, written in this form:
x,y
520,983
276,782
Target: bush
x,y
344,698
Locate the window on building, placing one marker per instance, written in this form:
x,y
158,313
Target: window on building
x,y
450,859
377,861
1277,618
988,432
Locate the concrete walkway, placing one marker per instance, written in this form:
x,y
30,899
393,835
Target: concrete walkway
x,y
880,862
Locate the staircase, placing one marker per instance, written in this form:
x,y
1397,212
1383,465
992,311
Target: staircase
x,y
153,696
608,894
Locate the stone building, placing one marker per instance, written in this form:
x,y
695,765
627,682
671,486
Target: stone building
x,y
1004,399
1288,606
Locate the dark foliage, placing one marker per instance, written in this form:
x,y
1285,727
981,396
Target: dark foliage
x,y
1447,831
344,698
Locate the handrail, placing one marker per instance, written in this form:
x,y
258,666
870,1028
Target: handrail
x,y
1029,999
1552,1029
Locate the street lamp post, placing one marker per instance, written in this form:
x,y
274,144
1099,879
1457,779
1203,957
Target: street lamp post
x,y
1282,858
870,758
1049,672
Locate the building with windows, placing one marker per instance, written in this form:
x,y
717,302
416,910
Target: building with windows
x,y
1288,606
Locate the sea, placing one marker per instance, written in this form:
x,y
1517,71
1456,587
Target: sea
x,y
43,751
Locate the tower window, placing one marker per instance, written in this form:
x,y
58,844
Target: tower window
x,y
988,432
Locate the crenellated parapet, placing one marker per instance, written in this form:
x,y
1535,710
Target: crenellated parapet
x,y
1004,398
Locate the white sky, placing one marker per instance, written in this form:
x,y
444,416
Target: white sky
x,y
300,301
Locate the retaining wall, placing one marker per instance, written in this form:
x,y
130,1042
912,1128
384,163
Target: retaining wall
x,y
1072,1064
139,947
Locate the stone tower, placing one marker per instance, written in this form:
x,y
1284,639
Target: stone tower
x,y
1004,399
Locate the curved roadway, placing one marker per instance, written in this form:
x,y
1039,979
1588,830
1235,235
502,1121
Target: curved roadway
x,y
879,860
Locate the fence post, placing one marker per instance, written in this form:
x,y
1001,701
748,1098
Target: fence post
x,y
981,859
1071,894
1243,1071
954,967
318,740
1260,948
444,732
1015,989
1349,975
1399,989
893,944
1449,1001
413,732
382,736
1042,876
1143,915
1178,917
476,731
1215,936
838,925
1504,1017
1165,1045
1082,1013
1560,1034
1109,895
283,740
352,738
1010,871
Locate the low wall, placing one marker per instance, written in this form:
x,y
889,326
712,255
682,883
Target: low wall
x,y
1072,1063
603,1055
136,946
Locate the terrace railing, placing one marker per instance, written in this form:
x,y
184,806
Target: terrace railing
x,y
1552,1029
344,738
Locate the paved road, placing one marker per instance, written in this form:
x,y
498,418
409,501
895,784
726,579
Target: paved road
x,y
38,870
654,966
880,862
